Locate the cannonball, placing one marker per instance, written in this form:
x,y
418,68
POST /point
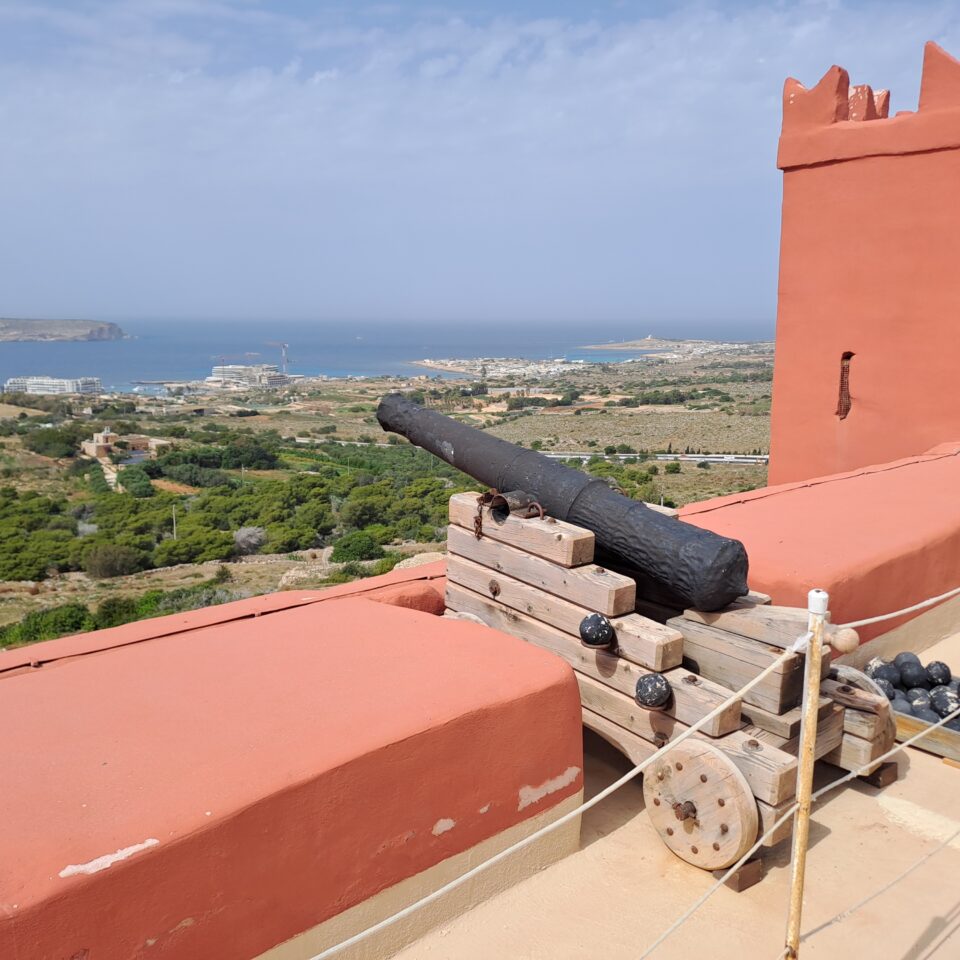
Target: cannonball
x,y
871,668
597,631
906,657
886,686
954,684
901,705
926,715
953,724
914,675
943,707
938,672
918,698
652,691
888,671
943,701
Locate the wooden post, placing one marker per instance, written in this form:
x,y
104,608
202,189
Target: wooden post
x,y
817,601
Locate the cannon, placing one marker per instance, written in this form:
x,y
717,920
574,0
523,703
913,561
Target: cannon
x,y
673,562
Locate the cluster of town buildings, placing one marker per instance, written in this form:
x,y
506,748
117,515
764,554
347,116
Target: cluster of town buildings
x,y
229,376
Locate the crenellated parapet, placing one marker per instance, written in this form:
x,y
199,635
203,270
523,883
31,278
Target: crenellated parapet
x,y
835,121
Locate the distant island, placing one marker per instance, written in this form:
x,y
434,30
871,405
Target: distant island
x,y
14,329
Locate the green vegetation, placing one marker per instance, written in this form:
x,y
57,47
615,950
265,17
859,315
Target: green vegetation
x,y
358,545
79,618
390,494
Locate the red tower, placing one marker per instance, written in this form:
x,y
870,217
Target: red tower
x,y
868,324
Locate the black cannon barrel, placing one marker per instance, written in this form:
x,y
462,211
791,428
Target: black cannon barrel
x,y
679,564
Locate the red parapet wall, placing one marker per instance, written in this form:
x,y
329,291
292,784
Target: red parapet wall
x,y
867,346
212,784
877,539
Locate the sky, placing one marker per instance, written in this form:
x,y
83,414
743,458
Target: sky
x,y
465,160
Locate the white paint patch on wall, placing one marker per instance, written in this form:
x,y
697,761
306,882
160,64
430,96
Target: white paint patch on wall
x,y
107,860
529,795
443,825
919,821
484,809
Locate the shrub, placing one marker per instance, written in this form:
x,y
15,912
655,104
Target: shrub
x,y
249,539
196,476
703,465
672,467
385,565
111,560
356,546
47,625
115,610
52,442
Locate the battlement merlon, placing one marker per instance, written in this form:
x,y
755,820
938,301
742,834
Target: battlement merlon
x,y
834,121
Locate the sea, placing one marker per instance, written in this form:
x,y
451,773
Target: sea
x,y
157,349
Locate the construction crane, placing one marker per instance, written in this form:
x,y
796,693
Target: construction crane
x,y
283,353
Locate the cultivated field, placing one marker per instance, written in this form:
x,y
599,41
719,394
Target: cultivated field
x,y
643,428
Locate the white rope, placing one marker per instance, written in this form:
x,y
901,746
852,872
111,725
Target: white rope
x,y
899,613
686,915
887,886
553,825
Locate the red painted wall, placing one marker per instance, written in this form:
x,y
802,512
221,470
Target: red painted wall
x,y
869,264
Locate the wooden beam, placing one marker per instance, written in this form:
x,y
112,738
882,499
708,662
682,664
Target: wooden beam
x,y
634,748
693,697
855,752
639,640
855,698
942,742
867,726
732,661
883,776
654,611
777,626
743,878
771,772
769,815
829,735
590,586
784,725
554,540
666,511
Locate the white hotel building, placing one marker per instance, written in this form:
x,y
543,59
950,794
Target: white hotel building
x,y
44,385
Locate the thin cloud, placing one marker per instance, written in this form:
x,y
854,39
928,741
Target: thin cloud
x,y
188,158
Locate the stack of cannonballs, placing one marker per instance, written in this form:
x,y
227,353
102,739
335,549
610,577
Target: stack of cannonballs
x,y
926,692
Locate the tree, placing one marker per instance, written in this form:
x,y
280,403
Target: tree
x,y
135,481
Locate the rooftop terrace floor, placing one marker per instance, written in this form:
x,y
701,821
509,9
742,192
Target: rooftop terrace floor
x,y
615,896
